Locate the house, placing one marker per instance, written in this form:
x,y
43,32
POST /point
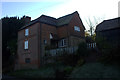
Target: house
x,y
46,31
110,31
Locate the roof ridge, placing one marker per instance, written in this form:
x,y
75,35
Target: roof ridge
x,y
112,19
52,21
67,15
47,16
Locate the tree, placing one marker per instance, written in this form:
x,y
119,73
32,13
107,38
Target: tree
x,y
92,24
10,27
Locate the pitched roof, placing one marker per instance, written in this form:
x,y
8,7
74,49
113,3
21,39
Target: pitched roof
x,y
52,21
109,24
44,19
65,19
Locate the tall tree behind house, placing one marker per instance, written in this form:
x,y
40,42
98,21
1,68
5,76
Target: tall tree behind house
x,y
10,27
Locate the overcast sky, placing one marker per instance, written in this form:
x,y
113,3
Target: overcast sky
x,y
105,9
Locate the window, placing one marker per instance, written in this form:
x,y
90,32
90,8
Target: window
x,y
62,43
76,28
51,36
27,60
26,32
26,44
45,41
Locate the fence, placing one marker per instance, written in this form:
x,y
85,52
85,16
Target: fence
x,y
69,50
60,51
91,45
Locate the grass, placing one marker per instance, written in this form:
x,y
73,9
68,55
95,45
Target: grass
x,y
95,70
87,70
47,71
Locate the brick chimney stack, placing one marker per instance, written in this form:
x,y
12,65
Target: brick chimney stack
x,y
27,19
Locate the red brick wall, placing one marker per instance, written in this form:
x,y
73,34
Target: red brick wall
x,y
76,21
62,31
32,51
46,30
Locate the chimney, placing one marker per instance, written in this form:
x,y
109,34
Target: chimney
x,y
27,19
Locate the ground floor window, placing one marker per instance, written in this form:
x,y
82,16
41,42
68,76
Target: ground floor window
x,y
62,43
27,60
45,42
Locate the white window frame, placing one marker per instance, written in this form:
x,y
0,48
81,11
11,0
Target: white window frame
x,y
51,37
26,44
62,43
26,32
77,28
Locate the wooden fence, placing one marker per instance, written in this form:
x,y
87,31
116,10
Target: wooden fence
x,y
69,50
91,45
60,51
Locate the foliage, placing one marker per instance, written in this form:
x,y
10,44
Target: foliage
x,y
112,58
68,69
86,34
12,44
44,72
82,49
103,45
80,62
10,27
95,70
109,53
92,24
90,39
68,59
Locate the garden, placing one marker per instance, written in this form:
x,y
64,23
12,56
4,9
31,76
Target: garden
x,y
83,64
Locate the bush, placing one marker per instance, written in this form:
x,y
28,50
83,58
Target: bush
x,y
82,50
68,59
112,58
68,70
80,62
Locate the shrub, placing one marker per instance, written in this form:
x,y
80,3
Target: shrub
x,y
68,70
82,50
80,62
112,58
69,59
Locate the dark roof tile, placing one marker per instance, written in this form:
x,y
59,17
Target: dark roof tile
x,y
52,21
109,24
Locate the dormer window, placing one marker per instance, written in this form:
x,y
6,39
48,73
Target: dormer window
x,y
26,32
77,28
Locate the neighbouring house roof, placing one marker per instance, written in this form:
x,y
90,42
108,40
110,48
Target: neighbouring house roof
x,y
52,21
109,24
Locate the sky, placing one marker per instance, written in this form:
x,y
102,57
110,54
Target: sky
x,y
99,9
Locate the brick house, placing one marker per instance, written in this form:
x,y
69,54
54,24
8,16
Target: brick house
x,y
45,31
109,30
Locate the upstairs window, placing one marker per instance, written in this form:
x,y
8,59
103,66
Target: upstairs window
x,y
76,28
26,32
26,44
62,43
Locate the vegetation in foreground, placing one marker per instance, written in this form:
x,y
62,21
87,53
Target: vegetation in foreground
x,y
71,66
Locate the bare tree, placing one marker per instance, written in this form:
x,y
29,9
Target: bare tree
x,y
92,23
